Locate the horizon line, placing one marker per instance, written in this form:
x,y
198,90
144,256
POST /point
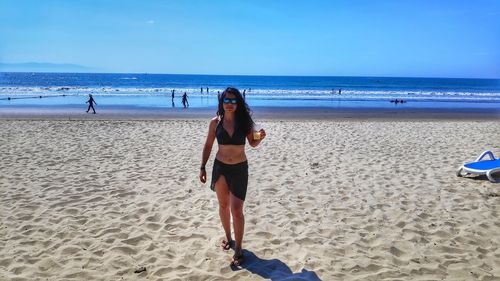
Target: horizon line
x,y
256,75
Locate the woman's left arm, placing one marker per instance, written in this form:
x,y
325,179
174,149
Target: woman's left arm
x,y
253,142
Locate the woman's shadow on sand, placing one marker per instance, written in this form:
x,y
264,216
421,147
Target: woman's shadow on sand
x,y
273,269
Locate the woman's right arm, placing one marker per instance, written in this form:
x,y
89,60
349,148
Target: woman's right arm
x,y
207,149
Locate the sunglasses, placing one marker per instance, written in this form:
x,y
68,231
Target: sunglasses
x,y
233,101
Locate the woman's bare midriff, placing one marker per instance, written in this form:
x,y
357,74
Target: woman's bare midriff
x,y
231,154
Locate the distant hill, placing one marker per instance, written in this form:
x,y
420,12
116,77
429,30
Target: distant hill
x,y
43,67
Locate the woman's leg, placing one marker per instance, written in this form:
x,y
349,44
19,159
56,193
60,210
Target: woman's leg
x,y
222,191
238,222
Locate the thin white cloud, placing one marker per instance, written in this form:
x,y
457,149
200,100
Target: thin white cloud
x,y
150,22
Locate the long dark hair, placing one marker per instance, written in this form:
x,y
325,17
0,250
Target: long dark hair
x,y
243,113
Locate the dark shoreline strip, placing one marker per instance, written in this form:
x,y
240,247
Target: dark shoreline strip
x,y
259,113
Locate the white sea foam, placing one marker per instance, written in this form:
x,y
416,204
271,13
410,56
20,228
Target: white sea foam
x,y
295,94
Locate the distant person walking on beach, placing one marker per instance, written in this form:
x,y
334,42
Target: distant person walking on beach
x,y
91,103
201,89
340,91
244,95
232,125
173,95
185,102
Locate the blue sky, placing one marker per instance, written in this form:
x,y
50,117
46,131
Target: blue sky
x,y
412,38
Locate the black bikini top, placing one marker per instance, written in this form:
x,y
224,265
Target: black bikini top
x,y
223,136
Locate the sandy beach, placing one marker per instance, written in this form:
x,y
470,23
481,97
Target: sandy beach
x,y
328,199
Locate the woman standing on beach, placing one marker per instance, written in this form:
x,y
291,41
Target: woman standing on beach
x,y
230,171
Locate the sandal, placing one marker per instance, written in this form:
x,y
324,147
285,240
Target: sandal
x,y
226,245
237,260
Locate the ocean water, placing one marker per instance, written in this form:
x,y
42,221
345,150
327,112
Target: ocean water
x,y
154,91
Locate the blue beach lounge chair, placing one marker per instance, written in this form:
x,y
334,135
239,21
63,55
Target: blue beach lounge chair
x,y
482,167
